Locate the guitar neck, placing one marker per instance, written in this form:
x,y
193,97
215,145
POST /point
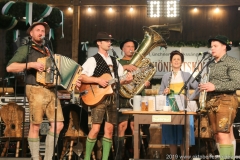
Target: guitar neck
x,y
112,81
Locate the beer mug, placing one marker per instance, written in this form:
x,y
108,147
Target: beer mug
x,y
144,103
151,103
136,104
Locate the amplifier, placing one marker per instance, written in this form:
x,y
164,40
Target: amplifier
x,y
19,100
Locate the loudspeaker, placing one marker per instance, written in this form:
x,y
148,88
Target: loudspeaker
x,y
205,129
12,158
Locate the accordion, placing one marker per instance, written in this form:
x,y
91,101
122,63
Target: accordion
x,y
68,68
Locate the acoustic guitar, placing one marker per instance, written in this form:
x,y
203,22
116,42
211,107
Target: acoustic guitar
x,y
93,93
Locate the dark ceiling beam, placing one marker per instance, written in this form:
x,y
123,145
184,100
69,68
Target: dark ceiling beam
x,y
134,2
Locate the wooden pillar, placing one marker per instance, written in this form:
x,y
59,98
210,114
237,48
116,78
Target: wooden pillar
x,y
75,32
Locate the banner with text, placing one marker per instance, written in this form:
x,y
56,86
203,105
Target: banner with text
x,y
160,57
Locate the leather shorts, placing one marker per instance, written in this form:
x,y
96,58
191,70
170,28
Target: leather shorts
x,y
42,101
107,110
222,110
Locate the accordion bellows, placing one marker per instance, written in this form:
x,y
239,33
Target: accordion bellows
x,y
68,68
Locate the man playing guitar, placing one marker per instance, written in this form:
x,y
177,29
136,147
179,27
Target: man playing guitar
x,y
93,69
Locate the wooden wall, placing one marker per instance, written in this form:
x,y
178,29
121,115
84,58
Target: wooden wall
x,y
197,26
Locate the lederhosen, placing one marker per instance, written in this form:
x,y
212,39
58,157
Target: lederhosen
x,y
222,108
107,105
36,91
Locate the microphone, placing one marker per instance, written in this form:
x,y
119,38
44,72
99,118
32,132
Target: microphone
x,y
205,53
114,53
44,38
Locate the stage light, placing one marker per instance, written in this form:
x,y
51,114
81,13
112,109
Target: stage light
x,y
195,9
216,10
131,9
154,8
166,8
70,9
171,8
89,9
110,9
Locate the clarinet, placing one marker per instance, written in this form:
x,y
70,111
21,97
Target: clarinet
x,y
203,94
169,81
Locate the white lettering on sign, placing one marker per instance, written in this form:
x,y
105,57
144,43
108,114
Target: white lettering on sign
x,y
161,118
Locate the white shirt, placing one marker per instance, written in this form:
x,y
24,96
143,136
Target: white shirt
x,y
90,65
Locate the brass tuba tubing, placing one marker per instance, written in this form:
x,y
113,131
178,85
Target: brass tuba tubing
x,y
151,40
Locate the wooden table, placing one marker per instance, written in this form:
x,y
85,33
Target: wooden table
x,y
159,117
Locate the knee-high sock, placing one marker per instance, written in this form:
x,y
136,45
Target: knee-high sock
x,y
49,145
118,147
107,144
34,147
226,151
234,146
89,147
218,148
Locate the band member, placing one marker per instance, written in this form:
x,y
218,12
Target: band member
x,y
101,63
222,102
173,134
41,99
128,47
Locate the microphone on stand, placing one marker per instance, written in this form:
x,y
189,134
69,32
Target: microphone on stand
x,y
44,38
114,53
204,54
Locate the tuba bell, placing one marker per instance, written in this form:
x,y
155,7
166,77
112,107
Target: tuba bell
x,y
165,29
146,69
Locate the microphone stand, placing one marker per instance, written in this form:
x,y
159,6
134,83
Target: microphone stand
x,y
117,102
58,74
198,79
185,88
24,99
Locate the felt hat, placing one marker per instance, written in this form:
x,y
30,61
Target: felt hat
x,y
47,28
222,39
103,36
129,40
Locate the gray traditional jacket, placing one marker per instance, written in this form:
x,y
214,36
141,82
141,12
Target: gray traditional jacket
x,y
185,76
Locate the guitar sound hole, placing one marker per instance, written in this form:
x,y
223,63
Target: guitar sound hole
x,y
203,129
13,126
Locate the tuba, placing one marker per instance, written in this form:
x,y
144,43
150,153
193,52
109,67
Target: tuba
x,y
147,70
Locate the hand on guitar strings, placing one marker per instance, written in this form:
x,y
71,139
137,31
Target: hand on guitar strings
x,y
102,82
